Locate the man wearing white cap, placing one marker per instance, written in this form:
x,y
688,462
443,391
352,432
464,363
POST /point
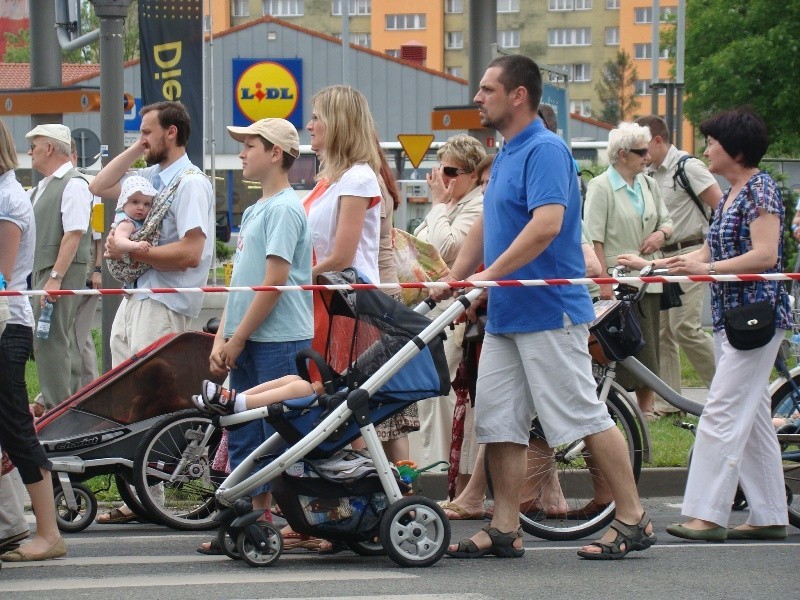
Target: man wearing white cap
x,y
260,333
185,247
61,207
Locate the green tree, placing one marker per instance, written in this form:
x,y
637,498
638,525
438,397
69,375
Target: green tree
x,y
616,89
18,46
742,52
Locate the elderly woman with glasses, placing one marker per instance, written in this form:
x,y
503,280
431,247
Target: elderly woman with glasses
x,y
625,214
457,200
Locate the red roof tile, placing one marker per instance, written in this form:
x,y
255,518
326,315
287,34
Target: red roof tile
x,y
15,76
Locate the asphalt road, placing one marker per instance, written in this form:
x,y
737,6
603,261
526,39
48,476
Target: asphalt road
x,y
153,562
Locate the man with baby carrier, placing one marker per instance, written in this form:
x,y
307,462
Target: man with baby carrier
x,y
537,336
182,254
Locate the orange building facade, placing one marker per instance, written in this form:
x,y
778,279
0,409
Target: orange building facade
x,y
635,38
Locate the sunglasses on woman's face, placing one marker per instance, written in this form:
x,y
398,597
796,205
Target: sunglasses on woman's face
x,y
640,151
453,171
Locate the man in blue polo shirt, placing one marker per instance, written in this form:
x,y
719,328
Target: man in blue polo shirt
x,y
535,356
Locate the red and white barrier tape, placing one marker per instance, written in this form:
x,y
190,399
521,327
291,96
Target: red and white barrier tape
x,y
416,285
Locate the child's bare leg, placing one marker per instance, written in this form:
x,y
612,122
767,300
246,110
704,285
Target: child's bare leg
x,y
272,384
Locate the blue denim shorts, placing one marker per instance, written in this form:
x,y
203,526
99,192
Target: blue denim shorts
x,y
259,362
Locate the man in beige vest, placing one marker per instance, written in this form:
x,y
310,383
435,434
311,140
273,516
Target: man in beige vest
x,y
61,208
680,326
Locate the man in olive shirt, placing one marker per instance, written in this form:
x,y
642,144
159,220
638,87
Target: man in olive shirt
x,y
680,326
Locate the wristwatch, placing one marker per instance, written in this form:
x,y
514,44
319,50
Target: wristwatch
x,y
98,270
55,275
712,270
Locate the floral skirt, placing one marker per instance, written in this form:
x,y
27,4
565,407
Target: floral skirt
x,y
399,425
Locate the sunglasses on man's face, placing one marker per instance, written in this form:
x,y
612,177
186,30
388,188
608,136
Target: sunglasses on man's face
x,y
640,151
453,171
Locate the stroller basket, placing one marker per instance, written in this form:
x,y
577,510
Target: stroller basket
x,y
339,505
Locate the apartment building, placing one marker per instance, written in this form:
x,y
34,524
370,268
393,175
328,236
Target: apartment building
x,y
577,37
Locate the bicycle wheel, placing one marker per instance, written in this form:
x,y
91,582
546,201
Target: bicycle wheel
x,y
172,471
786,403
571,464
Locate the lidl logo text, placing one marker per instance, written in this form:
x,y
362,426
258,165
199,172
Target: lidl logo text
x,y
267,90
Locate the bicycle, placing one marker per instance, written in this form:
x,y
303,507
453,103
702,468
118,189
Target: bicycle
x,y
579,482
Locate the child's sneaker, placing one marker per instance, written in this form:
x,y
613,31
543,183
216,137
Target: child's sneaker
x,y
217,399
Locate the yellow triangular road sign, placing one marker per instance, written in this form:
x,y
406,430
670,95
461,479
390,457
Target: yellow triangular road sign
x,y
415,145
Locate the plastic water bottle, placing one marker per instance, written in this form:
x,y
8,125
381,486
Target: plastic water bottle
x,y
43,327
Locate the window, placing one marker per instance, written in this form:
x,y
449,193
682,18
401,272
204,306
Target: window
x,y
409,21
453,6
612,4
612,36
454,40
569,37
582,107
645,51
454,71
283,8
581,72
240,8
508,6
561,5
508,38
642,88
395,53
643,15
354,7
361,39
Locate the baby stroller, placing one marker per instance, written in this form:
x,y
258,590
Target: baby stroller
x,y
133,423
380,357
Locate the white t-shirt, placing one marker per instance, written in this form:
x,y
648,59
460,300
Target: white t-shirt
x,y
15,206
358,180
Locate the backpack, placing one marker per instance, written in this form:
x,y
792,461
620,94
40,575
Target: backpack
x,y
680,179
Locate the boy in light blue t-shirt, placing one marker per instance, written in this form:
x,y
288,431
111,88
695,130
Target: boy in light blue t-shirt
x,y
260,333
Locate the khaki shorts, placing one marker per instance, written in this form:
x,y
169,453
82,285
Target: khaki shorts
x,y
546,373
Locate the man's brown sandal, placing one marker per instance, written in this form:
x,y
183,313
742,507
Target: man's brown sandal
x,y
502,545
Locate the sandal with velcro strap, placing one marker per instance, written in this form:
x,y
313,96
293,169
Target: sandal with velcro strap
x,y
629,538
502,545
221,402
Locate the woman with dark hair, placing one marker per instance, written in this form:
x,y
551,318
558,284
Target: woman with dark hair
x,y
735,437
17,434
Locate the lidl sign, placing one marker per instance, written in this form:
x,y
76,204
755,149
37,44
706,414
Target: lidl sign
x,y
267,88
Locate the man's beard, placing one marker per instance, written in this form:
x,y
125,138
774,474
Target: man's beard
x,y
154,157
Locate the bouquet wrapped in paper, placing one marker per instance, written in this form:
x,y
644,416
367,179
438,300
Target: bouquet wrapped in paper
x,y
416,261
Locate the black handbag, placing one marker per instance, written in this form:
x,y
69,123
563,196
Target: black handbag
x,y
750,326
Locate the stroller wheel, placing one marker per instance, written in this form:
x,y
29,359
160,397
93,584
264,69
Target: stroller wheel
x,y
415,532
72,520
366,547
228,544
260,544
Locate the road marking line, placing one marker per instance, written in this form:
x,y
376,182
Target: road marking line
x,y
237,577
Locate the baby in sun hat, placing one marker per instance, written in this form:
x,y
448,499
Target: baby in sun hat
x,y
133,206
